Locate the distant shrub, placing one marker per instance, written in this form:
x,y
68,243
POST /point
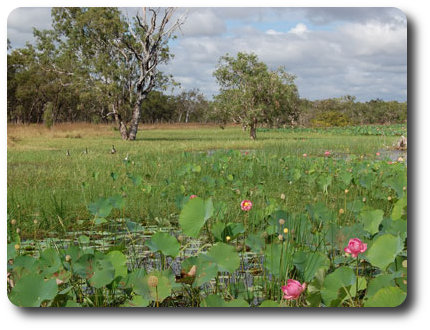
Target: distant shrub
x,y
330,119
95,119
48,110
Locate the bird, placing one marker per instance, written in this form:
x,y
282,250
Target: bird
x,y
113,150
126,159
85,151
67,153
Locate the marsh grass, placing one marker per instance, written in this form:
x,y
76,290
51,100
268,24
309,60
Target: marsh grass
x,y
45,184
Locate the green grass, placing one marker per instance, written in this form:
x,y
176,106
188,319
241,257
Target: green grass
x,y
45,184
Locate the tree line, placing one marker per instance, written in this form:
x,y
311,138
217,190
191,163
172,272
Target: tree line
x,y
96,65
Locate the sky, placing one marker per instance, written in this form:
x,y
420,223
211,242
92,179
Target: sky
x,y
333,52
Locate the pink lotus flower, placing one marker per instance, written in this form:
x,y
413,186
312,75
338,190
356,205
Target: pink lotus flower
x,y
246,205
378,154
293,289
355,246
305,155
327,153
193,196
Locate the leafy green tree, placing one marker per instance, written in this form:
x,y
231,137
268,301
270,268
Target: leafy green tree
x,y
250,93
48,115
330,119
102,50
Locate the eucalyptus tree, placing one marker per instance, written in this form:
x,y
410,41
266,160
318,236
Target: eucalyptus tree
x,y
113,57
250,93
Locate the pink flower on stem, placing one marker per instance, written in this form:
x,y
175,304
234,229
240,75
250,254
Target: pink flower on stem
x,y
293,289
305,155
246,205
378,154
327,153
193,196
355,246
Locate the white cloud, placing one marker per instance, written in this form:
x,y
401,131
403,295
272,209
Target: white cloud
x,y
21,21
203,23
299,29
273,32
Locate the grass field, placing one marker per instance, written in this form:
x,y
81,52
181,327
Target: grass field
x,y
44,184
320,197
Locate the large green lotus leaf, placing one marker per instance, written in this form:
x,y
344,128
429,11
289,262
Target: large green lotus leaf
x,y
104,271
216,301
362,284
395,228
384,250
366,180
11,251
272,258
236,303
276,216
371,219
397,182
83,239
134,226
75,252
212,300
335,285
97,268
206,269
83,266
379,282
31,290
164,243
324,181
345,178
26,262
117,201
49,261
269,303
233,229
119,262
319,212
131,278
161,291
217,231
308,263
255,242
225,256
136,301
209,208
355,206
100,208
194,215
71,303
400,209
386,297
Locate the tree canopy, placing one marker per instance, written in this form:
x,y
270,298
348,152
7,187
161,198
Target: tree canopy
x,y
251,93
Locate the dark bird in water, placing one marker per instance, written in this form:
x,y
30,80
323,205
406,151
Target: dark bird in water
x,y
113,150
67,153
